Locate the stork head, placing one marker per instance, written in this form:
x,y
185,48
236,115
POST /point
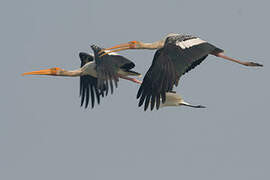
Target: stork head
x,y
56,71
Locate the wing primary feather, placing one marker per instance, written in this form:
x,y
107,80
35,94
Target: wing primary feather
x,y
81,85
160,83
163,89
106,84
115,79
157,101
97,95
171,78
153,99
140,91
168,74
87,96
146,103
99,82
141,99
92,95
101,90
111,83
163,97
83,94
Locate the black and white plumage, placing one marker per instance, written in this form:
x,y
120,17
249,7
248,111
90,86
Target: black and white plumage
x,y
108,70
179,55
176,55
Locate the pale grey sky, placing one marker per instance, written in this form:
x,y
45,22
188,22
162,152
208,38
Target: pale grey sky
x,y
44,134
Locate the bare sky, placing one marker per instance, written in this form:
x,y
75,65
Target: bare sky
x,y
44,134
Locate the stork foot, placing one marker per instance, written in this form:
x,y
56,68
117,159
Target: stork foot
x,y
200,106
252,64
130,79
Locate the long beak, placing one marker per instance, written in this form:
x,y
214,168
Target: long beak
x,y
116,48
51,71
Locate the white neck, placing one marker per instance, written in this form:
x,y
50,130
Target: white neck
x,y
72,73
154,45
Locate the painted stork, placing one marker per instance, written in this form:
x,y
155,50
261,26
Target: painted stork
x,y
176,55
96,73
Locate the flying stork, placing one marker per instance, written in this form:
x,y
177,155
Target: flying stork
x,y
176,55
96,73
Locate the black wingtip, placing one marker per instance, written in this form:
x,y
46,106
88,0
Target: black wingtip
x,y
95,48
85,58
83,54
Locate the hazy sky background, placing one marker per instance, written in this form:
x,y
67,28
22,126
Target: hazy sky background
x,y
44,134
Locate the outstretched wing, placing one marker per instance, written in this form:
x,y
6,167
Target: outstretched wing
x,y
188,51
158,80
179,55
88,84
107,68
